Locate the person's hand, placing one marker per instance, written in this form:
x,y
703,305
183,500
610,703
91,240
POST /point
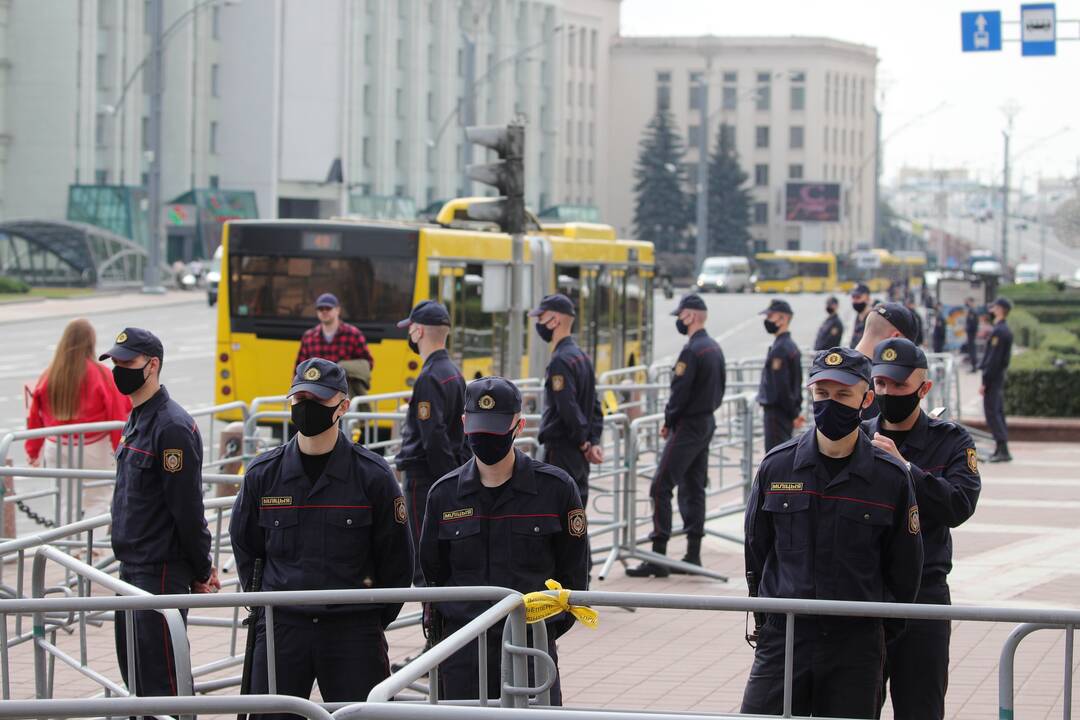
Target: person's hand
x,y
799,422
212,584
885,443
982,389
595,454
34,462
664,432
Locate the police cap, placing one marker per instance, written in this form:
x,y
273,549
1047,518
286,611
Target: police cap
x,y
427,312
320,377
132,342
840,364
897,358
860,289
691,301
490,406
1003,302
777,305
899,316
554,303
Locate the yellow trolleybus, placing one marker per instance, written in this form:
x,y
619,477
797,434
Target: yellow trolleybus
x,y
793,271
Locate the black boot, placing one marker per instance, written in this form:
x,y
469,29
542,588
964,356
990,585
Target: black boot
x,y
692,556
651,569
1001,453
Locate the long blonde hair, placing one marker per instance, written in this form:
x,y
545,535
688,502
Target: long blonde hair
x,y
68,368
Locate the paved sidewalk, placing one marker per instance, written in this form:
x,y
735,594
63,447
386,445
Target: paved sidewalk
x,y
92,304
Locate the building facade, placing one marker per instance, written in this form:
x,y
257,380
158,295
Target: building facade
x,y
801,109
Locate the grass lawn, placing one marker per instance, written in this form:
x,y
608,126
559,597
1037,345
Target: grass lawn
x,y
46,292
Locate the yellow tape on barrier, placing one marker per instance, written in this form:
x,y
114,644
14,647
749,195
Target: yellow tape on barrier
x,y
540,606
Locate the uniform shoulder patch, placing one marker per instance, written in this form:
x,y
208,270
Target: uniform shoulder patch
x,y
558,382
173,460
835,331
994,340
777,363
680,368
576,523
423,410
399,511
913,526
973,460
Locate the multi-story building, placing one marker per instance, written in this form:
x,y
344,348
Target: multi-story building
x,y
801,109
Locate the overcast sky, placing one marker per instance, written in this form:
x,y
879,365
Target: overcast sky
x,y
921,66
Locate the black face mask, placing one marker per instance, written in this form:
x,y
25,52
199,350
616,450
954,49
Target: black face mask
x,y
128,380
836,420
858,307
490,449
681,327
771,327
544,332
413,346
830,309
897,408
312,418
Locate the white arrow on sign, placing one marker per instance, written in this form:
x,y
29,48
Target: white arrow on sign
x,y
980,23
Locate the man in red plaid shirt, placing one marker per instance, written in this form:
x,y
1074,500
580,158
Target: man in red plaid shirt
x,y
332,339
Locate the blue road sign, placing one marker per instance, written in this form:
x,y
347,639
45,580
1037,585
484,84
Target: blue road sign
x,y
1038,29
980,31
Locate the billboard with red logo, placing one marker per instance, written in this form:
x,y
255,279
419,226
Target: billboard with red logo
x,y
812,202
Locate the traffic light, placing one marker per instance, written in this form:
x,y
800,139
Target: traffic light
x,y
507,175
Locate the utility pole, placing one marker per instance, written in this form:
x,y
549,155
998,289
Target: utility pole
x,y
1005,203
1042,228
152,271
876,242
700,247
468,107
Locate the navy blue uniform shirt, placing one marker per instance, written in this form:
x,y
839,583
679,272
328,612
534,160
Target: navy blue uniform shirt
x,y
830,333
781,384
971,323
572,411
433,438
346,530
697,381
157,505
945,472
854,537
998,352
528,530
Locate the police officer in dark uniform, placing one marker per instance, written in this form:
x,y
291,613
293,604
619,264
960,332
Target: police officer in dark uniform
x,y
432,439
941,458
886,320
573,423
830,332
159,531
697,389
501,519
971,329
860,303
940,329
829,517
322,513
994,364
780,391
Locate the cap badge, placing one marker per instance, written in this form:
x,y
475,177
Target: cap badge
x,y
121,338
882,311
833,359
312,373
888,355
486,402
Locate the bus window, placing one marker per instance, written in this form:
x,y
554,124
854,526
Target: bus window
x,y
632,336
815,269
776,269
477,325
605,320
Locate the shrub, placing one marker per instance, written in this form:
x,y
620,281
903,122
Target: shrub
x,y
1054,314
1026,328
13,285
1043,384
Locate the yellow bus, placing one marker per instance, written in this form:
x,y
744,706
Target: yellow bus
x,y
793,271
914,264
272,271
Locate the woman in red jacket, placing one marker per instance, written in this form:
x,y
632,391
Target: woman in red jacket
x,y
75,388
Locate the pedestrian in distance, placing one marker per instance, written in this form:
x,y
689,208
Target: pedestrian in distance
x,y
780,392
909,303
830,517
830,332
500,519
860,303
75,389
994,365
940,329
697,390
433,436
339,342
971,330
159,531
322,513
941,458
572,425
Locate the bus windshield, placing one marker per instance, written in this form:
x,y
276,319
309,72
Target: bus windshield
x,y
776,269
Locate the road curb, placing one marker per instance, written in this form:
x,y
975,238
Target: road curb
x,y
68,311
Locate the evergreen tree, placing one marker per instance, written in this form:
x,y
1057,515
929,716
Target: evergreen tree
x,y
729,199
661,211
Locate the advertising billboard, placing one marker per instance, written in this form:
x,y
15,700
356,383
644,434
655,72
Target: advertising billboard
x,y
812,202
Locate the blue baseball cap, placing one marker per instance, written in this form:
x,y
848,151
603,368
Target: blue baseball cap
x,y
490,406
426,312
840,364
897,358
327,300
554,303
320,377
132,342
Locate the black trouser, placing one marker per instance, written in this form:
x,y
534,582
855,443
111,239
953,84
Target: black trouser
x,y
836,668
683,464
345,654
778,425
971,353
459,676
917,664
994,410
566,456
416,486
155,669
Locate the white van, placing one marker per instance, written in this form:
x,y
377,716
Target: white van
x,y
213,277
1027,273
725,274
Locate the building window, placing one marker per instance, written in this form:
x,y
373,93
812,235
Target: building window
x,y
693,136
366,152
214,181
761,136
581,94
146,18
570,46
826,139
570,93
399,102
663,90
215,24
400,52
569,170
836,140
593,42
794,172
215,80
763,101
368,103
862,96
101,177
145,133
728,135
399,154
761,175
144,180
844,97
99,129
828,92
399,191
592,95
798,90
432,58
730,97
569,132
213,138
102,69
581,132
696,78
592,134
581,50
590,172
369,50
429,157
761,213
431,106
796,137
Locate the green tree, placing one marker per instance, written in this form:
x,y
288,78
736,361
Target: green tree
x,y
661,211
729,199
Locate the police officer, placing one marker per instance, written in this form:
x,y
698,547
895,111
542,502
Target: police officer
x,y
322,513
886,320
432,439
829,517
941,458
159,531
994,364
830,332
860,303
500,519
573,423
940,329
780,390
697,389
971,328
